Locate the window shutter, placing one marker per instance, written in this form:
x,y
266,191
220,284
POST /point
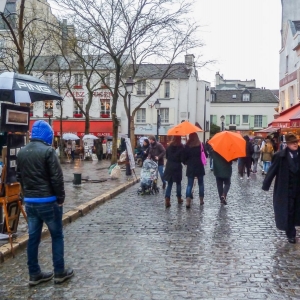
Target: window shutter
x,y
215,119
227,120
148,116
264,121
172,115
237,120
251,121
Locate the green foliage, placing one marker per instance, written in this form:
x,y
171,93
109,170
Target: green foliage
x,y
214,129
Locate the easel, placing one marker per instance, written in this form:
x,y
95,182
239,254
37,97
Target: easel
x,y
12,194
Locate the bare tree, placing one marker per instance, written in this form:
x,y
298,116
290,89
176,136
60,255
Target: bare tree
x,y
116,27
26,34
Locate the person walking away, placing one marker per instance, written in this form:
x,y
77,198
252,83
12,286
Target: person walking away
x,y
222,172
157,153
195,167
286,194
173,170
41,178
209,150
73,148
256,155
99,149
247,160
266,156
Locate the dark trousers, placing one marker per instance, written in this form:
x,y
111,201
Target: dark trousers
x,y
291,230
245,163
223,185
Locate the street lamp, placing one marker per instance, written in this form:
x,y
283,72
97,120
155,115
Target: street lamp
x,y
222,118
206,89
2,6
129,88
61,144
157,105
49,113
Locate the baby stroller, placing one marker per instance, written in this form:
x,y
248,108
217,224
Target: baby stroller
x,y
149,174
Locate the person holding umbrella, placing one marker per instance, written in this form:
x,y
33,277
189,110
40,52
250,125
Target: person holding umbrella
x,y
286,195
195,167
173,170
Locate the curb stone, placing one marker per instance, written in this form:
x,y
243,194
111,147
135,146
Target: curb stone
x,y
21,242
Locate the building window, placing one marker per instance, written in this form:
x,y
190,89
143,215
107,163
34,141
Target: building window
x,y
141,87
232,119
167,89
213,97
105,82
104,108
49,78
164,115
141,115
287,64
245,119
78,79
246,97
258,121
2,48
76,110
47,105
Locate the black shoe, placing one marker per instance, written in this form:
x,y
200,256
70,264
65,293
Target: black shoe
x,y
223,200
42,277
61,277
292,240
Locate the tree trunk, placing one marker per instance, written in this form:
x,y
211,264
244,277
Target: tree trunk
x,y
87,124
21,62
114,157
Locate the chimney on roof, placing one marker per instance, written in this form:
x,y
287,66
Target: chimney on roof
x,y
189,60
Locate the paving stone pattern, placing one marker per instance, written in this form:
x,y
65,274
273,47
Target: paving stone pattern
x,y
77,195
133,248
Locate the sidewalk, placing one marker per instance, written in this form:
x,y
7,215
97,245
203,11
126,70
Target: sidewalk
x,y
99,183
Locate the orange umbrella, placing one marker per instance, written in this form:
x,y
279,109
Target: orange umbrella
x,y
229,144
184,128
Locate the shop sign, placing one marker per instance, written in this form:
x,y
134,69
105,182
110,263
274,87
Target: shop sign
x,y
281,125
295,123
289,78
81,134
103,94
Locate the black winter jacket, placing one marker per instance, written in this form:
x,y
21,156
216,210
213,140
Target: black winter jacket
x,y
192,159
41,174
173,169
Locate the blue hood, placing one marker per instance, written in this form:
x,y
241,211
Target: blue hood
x,y
42,130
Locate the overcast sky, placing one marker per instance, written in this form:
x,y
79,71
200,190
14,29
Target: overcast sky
x,y
243,36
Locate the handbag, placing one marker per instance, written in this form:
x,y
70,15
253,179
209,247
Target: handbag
x,y
202,154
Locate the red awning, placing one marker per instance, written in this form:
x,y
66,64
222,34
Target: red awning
x,y
283,120
98,128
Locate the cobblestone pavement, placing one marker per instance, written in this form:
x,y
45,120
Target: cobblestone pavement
x,y
133,248
77,195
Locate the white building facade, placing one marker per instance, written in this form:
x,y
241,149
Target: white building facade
x,y
289,69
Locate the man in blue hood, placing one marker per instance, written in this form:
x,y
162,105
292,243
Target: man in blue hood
x,y
41,178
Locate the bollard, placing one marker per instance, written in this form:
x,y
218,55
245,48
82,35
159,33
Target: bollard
x,y
77,178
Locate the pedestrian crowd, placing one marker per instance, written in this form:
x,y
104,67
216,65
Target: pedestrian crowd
x,y
281,163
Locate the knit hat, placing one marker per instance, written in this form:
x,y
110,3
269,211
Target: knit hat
x,y
291,138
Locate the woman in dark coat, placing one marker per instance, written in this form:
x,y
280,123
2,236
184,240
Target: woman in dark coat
x,y
195,168
222,171
286,196
173,169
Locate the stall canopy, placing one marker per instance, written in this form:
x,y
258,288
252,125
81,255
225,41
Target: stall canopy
x,y
269,129
97,128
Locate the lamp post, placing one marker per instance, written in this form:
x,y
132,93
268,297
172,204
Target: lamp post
x,y
157,105
222,118
61,145
206,89
49,113
129,88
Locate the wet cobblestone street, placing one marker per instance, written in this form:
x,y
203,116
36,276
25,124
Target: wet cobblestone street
x,y
132,247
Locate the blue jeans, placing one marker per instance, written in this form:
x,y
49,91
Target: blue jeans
x,y
51,214
211,162
267,165
190,186
161,173
169,189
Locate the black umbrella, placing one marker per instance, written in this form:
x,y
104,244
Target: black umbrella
x,y
20,88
